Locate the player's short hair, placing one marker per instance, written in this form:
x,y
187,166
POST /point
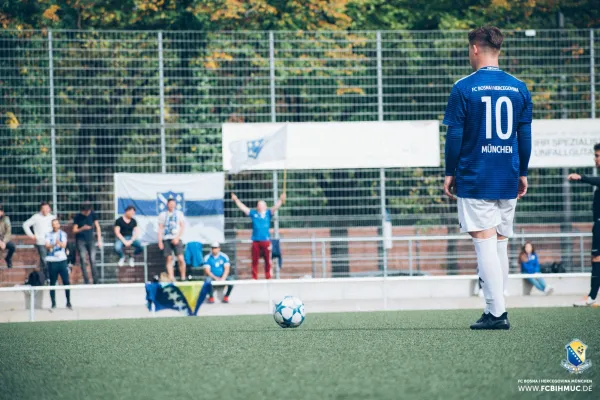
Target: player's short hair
x,y
597,147
44,203
130,208
170,200
487,36
86,206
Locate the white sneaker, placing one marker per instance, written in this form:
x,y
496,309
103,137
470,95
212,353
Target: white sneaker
x,y
131,262
549,290
585,302
121,262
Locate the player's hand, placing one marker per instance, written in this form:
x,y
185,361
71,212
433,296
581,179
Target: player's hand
x,y
234,197
574,177
449,187
99,243
522,187
128,243
161,245
282,197
2,245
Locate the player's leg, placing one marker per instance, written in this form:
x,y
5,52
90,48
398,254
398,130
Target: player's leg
x,y
229,289
169,265
266,249
480,219
255,258
182,266
590,299
505,231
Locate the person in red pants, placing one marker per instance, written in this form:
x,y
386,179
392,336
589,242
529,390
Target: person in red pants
x,y
261,239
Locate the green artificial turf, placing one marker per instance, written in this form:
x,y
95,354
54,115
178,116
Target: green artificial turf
x,y
392,355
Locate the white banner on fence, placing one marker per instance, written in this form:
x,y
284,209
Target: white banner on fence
x,y
564,142
328,145
199,196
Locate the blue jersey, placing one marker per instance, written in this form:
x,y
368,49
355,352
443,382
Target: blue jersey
x,y
216,264
489,105
260,225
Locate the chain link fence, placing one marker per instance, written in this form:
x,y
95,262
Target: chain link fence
x,y
78,106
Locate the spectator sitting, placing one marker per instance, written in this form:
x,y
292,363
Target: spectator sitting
x,y
56,259
5,243
531,265
127,231
216,266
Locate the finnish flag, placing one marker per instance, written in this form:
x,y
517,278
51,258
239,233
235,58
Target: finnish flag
x,y
257,151
198,196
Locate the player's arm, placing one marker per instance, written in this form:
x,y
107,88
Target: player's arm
x,y
98,232
27,227
117,230
136,233
279,203
524,140
161,227
454,118
239,204
226,273
591,180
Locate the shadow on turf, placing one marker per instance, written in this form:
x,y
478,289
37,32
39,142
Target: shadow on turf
x,y
349,329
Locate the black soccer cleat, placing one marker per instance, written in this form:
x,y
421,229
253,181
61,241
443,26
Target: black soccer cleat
x,y
483,317
489,322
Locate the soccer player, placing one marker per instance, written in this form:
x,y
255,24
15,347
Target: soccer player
x,y
590,299
216,267
488,145
261,239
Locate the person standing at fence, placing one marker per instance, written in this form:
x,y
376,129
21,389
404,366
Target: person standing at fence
x,y
42,225
5,235
56,258
261,238
171,224
488,146
590,299
84,224
216,267
127,232
530,264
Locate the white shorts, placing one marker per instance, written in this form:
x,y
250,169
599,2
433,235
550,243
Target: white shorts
x,y
478,215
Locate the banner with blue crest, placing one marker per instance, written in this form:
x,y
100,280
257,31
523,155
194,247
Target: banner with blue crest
x,y
186,297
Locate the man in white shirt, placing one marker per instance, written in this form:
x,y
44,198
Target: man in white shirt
x,y
42,225
171,224
56,259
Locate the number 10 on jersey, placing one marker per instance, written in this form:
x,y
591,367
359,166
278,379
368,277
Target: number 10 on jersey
x,y
488,117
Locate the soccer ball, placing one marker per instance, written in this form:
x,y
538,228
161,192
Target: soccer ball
x,y
289,312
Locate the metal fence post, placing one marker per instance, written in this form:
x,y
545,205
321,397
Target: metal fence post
x,y
145,264
381,170
101,264
161,83
313,253
31,304
52,123
272,73
323,259
581,255
410,257
592,75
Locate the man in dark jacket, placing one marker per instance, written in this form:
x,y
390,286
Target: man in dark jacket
x,y
590,299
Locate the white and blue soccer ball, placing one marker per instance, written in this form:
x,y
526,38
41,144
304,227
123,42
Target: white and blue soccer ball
x,y
289,312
